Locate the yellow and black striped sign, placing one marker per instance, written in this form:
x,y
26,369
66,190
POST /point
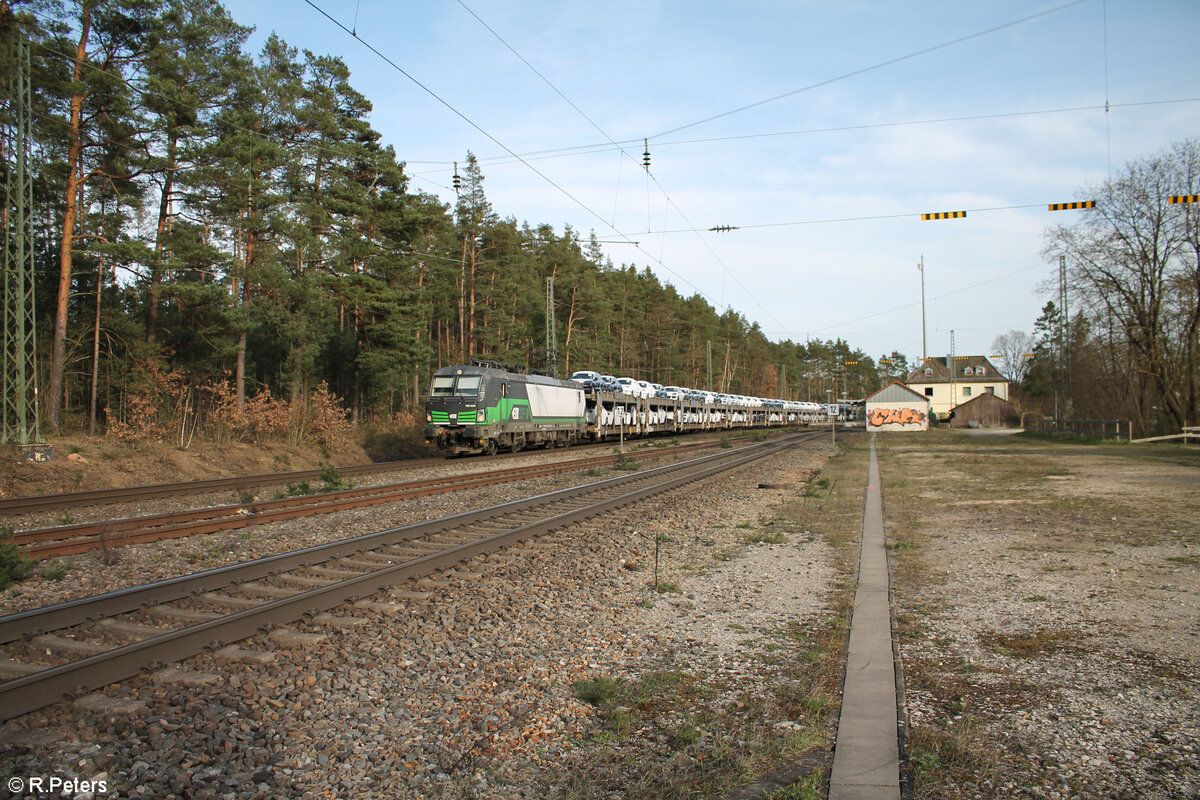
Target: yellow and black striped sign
x,y
1184,198
945,215
1070,206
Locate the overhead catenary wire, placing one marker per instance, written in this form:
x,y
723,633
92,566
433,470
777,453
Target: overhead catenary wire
x,y
645,163
863,70
449,106
913,304
868,218
646,160
663,143
600,147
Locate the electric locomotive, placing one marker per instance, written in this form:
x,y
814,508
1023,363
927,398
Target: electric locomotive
x,y
484,407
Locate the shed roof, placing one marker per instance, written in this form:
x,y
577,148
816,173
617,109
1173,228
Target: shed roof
x,y
897,392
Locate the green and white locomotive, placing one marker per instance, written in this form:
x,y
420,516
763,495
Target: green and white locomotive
x,y
486,407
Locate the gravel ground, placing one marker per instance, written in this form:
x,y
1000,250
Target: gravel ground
x,y
1049,602
463,684
97,571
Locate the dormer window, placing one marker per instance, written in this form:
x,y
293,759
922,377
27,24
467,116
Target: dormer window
x,y
968,371
928,371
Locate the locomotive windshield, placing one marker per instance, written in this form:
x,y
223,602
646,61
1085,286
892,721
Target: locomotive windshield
x,y
455,386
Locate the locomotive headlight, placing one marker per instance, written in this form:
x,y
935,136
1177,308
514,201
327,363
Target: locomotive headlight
x,y
428,417
481,415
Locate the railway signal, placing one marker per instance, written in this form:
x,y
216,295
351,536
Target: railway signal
x,y
945,215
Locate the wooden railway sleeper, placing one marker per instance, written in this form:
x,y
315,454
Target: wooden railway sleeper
x,y
357,562
129,630
228,601
305,580
333,572
16,669
61,644
265,589
184,614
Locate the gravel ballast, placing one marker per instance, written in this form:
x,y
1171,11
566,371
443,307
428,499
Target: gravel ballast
x,y
463,680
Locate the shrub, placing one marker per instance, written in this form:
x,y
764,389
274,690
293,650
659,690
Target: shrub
x,y
14,564
334,481
325,414
598,691
54,570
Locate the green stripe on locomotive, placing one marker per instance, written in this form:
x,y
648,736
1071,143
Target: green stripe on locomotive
x,y
512,409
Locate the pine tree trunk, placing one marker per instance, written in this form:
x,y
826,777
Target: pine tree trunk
x,y
58,353
95,352
154,290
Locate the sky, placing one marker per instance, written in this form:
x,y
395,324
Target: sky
x,y
820,132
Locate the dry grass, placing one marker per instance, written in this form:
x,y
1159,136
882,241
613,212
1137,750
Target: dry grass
x,y
1053,515
686,731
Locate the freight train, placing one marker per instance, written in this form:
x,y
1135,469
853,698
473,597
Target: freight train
x,y
486,407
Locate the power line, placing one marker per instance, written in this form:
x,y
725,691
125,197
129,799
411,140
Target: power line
x,y
645,161
873,67
544,79
870,218
907,306
600,147
504,147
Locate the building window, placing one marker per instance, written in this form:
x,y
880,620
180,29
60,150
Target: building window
x,y
929,391
968,371
928,370
966,391
990,389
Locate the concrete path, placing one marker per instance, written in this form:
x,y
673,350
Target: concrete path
x,y
866,760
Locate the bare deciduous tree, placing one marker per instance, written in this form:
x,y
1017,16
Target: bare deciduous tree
x,y
1013,347
1135,267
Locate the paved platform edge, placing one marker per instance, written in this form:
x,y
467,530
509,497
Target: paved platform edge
x,y
866,758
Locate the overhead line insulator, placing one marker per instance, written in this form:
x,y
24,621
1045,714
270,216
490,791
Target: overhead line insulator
x,y
646,155
724,228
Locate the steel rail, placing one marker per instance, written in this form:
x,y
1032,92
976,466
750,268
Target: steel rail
x,y
74,612
84,537
24,694
45,502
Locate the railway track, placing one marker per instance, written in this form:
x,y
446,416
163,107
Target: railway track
x,y
57,651
50,502
61,540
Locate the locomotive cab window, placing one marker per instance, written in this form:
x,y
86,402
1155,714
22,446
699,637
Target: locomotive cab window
x,y
455,386
468,385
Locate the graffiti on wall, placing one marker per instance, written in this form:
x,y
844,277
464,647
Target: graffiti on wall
x,y
895,416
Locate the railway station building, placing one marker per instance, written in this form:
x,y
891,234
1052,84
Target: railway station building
x,y
948,381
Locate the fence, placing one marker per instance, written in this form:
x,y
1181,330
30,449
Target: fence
x,y
1187,435
1118,429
